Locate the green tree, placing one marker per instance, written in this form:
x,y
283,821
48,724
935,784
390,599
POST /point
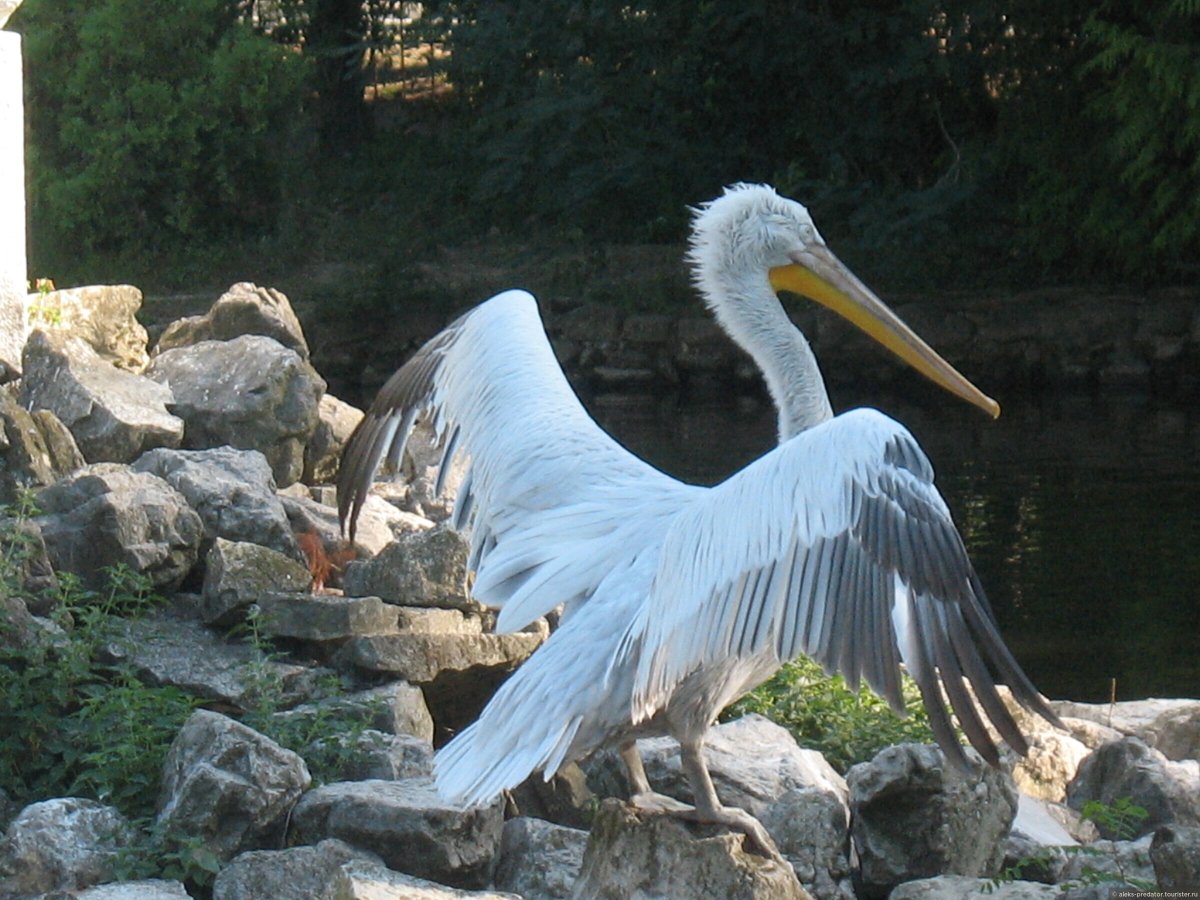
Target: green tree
x,y
154,125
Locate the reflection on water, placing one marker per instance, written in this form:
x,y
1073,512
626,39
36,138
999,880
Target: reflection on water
x,y
1082,515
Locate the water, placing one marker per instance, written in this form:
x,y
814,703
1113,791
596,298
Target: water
x,y
1081,513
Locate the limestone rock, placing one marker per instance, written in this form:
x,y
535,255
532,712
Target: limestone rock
x,y
298,873
422,658
30,576
362,882
1175,854
244,309
539,860
370,755
1168,791
250,392
106,514
424,568
655,856
1051,763
378,524
228,785
324,617
811,828
32,453
421,470
565,799
408,825
238,573
1170,726
103,316
232,491
166,650
1116,860
114,415
912,816
395,708
962,887
336,421
146,889
60,845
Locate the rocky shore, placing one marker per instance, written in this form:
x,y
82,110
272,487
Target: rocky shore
x,y
203,464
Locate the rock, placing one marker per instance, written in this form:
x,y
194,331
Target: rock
x,y
60,845
166,650
408,825
1170,726
395,708
1090,734
228,785
30,455
1168,791
18,628
1111,860
30,575
1175,854
238,573
811,828
565,799
324,617
249,392
298,873
103,316
539,860
336,421
630,854
114,415
232,491
1051,763
378,524
361,882
912,816
962,887
107,515
244,309
422,658
147,889
370,755
421,469
421,568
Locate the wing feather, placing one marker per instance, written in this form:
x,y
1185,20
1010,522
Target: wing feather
x,y
836,544
544,479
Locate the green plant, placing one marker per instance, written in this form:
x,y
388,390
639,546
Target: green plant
x,y
823,713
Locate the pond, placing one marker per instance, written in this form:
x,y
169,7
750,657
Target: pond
x,y
1081,513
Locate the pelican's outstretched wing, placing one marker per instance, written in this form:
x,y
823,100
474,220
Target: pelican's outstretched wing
x,y
550,496
835,545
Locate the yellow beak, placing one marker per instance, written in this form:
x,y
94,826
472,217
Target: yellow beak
x,y
819,275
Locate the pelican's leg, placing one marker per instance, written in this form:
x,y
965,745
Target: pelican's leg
x,y
641,794
709,809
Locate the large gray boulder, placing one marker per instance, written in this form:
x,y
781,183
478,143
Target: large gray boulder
x,y
104,316
632,854
419,568
228,786
244,309
408,825
106,515
237,574
114,415
232,490
145,889
1169,791
1175,855
378,525
33,453
539,860
1171,726
360,881
369,755
250,392
60,845
395,708
1116,861
297,873
913,816
324,617
169,650
962,887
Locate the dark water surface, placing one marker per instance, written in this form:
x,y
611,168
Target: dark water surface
x,y
1081,513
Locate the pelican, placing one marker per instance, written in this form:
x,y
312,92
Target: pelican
x,y
679,599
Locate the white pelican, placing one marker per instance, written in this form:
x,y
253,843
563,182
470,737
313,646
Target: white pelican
x,y
682,598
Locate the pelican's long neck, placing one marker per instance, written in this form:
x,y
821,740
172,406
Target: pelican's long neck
x,y
752,315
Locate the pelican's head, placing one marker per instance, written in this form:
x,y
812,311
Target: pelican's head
x,y
751,237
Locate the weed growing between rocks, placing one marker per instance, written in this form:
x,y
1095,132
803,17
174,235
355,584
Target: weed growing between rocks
x,y
823,713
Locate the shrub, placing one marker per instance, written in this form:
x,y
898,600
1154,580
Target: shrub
x,y
154,124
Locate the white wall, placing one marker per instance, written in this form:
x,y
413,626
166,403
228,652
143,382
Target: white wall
x,y
12,207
